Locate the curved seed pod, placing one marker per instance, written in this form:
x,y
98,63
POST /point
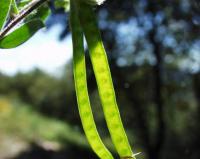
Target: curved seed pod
x,y
104,80
81,88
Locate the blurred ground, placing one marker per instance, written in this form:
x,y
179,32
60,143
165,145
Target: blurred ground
x,y
21,128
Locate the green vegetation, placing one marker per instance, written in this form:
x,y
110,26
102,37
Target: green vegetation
x,y
82,20
104,80
4,8
153,52
21,35
80,78
20,122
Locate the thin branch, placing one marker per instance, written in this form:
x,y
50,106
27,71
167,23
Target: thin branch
x,y
25,12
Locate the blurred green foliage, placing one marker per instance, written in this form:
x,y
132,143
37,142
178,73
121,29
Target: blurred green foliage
x,y
54,97
20,124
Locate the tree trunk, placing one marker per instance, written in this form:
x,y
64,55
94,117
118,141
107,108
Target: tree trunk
x,y
155,152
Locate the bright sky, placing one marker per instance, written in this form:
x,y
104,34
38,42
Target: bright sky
x,y
45,52
42,51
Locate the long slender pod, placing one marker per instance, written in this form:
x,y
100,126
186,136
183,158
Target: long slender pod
x,y
81,87
104,80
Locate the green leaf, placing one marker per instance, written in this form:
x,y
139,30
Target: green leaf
x,y
4,11
21,35
41,13
15,9
62,4
23,3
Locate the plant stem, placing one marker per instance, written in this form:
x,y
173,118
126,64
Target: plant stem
x,y
25,12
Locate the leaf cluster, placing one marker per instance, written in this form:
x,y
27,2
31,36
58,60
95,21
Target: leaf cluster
x,y
20,21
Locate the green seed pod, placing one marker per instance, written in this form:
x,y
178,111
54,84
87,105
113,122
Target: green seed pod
x,y
81,87
104,80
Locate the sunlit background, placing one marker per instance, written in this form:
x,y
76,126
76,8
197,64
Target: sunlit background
x,y
43,51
